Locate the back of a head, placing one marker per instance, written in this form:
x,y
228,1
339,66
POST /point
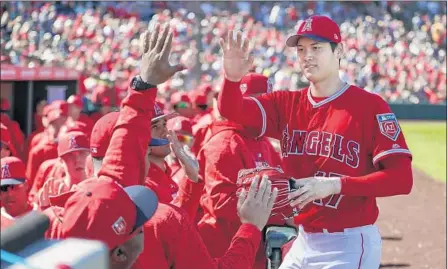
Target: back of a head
x,y
101,134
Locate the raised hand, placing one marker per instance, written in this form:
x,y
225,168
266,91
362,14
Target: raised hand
x,y
254,207
236,58
185,156
156,48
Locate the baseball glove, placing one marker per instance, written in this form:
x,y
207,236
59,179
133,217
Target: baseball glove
x,y
281,209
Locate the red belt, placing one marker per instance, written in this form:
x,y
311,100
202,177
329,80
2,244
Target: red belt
x,y
322,230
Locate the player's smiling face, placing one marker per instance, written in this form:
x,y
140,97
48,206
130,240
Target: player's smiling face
x,y
316,59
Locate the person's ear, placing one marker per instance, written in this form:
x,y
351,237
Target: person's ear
x,y
119,254
340,50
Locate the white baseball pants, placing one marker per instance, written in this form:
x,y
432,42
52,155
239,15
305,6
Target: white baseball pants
x,y
355,248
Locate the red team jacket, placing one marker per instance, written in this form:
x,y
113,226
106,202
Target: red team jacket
x,y
161,183
351,134
229,148
46,150
171,241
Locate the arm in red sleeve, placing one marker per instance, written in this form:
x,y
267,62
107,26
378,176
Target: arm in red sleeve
x,y
189,249
125,157
188,196
394,178
233,106
172,241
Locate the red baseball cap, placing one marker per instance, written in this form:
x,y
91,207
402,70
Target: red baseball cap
x,y
199,97
319,28
180,97
72,141
254,83
57,109
12,171
4,104
159,114
75,100
102,134
180,124
101,209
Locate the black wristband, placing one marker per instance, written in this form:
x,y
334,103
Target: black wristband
x,y
138,84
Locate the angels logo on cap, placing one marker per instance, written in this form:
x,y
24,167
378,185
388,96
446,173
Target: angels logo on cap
x,y
119,227
73,144
307,25
157,110
5,171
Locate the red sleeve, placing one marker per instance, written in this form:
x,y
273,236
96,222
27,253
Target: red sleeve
x,y
220,161
188,196
394,178
125,157
172,241
387,136
234,107
263,113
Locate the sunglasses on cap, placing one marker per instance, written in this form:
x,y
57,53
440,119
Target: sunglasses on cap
x,y
181,105
185,138
6,188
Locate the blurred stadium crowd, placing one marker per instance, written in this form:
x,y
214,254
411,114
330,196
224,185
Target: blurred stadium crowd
x,y
399,53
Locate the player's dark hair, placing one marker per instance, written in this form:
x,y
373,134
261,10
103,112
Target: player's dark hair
x,y
333,47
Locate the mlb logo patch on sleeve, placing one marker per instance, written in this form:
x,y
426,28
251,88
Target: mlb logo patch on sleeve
x,y
388,125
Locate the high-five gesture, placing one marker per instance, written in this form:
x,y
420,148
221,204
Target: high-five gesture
x,y
185,156
156,48
237,60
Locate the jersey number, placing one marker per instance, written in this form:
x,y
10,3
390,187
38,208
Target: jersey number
x,y
331,201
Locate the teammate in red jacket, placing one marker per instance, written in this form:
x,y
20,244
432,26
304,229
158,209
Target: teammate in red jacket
x,y
47,149
228,148
73,149
343,145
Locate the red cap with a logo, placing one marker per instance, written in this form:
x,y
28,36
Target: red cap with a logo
x,y
72,141
101,209
319,28
254,83
12,171
159,114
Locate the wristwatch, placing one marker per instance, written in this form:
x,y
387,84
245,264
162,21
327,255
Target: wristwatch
x,y
139,85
